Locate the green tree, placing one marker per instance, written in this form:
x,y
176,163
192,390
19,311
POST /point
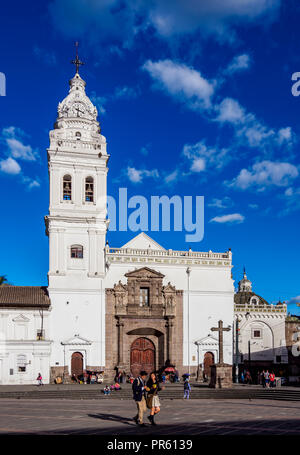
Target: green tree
x,y
3,280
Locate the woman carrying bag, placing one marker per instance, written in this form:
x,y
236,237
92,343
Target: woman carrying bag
x,y
153,403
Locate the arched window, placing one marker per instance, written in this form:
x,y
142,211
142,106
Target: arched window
x,y
89,189
78,135
67,188
76,251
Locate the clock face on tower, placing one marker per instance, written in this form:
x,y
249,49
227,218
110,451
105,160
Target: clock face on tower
x,y
78,109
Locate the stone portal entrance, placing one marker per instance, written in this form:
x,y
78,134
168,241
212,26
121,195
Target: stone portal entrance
x,y
77,363
142,356
209,359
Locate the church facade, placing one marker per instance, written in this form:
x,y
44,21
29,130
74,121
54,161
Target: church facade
x,y
260,333
138,306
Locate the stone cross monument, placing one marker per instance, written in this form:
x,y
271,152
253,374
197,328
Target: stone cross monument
x,y
220,329
221,373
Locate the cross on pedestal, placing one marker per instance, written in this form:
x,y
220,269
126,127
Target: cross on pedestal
x,y
220,329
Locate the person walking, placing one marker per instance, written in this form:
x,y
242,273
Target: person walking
x,y
39,379
139,396
272,379
267,379
242,377
153,403
263,381
186,388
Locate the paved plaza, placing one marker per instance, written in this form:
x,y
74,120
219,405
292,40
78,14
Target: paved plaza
x,y
178,417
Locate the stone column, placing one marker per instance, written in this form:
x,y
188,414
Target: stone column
x,y
169,326
120,326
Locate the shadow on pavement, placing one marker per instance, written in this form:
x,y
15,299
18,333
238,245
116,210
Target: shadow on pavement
x,y
114,418
255,427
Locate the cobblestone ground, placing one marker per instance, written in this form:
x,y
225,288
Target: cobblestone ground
x,y
178,417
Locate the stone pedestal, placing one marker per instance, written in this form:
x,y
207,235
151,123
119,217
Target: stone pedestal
x,y
221,376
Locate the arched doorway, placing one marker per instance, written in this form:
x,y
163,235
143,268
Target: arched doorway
x,y
77,363
209,359
142,356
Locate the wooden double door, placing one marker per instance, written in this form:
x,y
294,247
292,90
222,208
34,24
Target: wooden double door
x,y
77,364
142,356
209,360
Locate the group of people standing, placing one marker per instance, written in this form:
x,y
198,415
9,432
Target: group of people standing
x,y
267,379
264,378
145,395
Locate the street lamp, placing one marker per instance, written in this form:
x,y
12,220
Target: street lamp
x,y
188,271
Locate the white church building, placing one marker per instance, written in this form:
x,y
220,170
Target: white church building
x,y
138,306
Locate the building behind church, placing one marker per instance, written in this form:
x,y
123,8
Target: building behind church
x,y
260,338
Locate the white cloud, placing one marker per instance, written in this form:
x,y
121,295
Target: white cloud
x,y
264,174
229,110
239,63
221,203
202,157
137,175
13,138
212,17
10,166
294,300
231,218
125,92
19,150
181,82
198,165
114,21
251,132
172,177
99,102
31,183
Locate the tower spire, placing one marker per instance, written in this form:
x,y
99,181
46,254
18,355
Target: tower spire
x,y
77,62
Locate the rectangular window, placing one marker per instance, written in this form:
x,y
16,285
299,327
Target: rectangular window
x,y
21,363
256,334
40,334
89,189
77,252
67,188
278,359
144,296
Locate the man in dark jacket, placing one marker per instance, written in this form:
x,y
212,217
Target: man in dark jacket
x,y
139,396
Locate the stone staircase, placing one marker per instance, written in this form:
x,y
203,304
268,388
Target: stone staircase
x,y
171,392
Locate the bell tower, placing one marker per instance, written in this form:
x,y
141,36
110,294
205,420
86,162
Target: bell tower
x,y
77,162
76,226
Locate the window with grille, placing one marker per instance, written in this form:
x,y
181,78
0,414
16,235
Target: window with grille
x,y
67,188
89,189
144,296
21,363
77,252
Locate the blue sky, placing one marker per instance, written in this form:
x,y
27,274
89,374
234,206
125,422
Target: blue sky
x,y
194,98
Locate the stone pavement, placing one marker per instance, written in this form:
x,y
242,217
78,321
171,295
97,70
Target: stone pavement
x,y
178,417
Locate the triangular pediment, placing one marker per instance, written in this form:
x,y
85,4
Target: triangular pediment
x,y
21,318
209,340
144,272
76,340
169,288
143,242
120,287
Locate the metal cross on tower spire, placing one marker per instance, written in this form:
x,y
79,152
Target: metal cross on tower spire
x,y
77,62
